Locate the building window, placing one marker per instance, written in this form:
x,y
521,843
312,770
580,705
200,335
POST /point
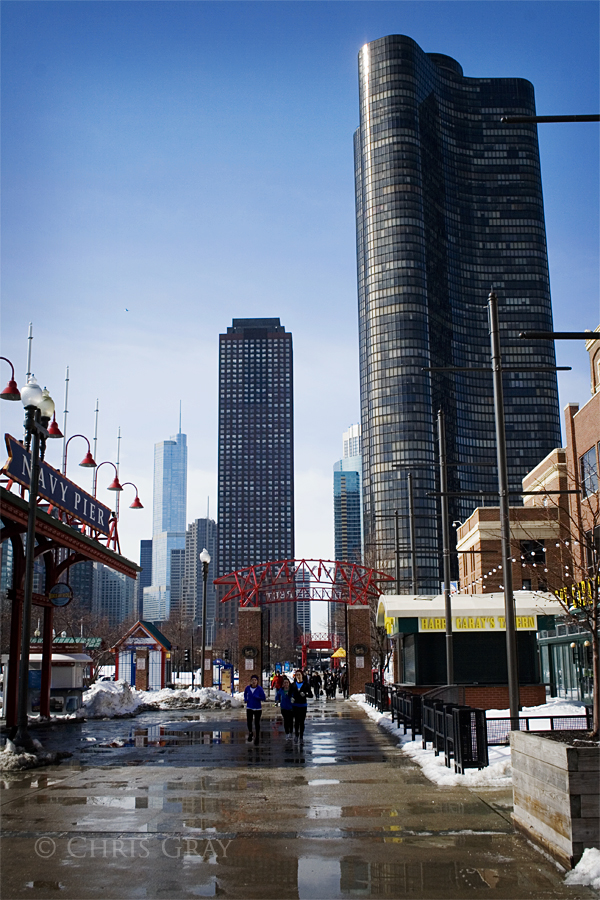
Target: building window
x,y
533,552
588,472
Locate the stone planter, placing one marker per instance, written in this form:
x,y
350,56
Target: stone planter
x,y
556,796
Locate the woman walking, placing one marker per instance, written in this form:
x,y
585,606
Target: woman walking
x,y
253,697
299,692
287,710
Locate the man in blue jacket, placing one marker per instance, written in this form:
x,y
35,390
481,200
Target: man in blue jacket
x,y
253,697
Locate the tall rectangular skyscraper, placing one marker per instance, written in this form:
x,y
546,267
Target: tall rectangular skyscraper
x,y
256,452
448,203
168,522
347,514
201,534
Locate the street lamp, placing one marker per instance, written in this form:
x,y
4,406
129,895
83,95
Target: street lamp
x,y
88,460
39,407
136,503
205,560
114,485
11,391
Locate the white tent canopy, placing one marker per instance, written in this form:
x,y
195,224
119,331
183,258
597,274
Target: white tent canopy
x,y
527,603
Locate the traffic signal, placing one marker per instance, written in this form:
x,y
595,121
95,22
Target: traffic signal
x,y
187,659
226,655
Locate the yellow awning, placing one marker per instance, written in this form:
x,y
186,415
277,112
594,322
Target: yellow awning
x,y
339,654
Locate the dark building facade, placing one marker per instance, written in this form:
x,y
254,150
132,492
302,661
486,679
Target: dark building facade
x,y
448,204
256,454
201,534
144,578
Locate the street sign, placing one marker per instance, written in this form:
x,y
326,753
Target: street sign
x,y
60,595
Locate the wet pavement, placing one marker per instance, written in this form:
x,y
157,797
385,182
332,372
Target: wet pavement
x,y
179,805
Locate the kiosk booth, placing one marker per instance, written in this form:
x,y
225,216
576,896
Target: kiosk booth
x,y
417,626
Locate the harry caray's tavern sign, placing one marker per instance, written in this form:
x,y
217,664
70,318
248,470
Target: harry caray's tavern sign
x,y
56,489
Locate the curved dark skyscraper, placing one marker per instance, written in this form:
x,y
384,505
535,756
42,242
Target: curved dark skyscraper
x,y
448,203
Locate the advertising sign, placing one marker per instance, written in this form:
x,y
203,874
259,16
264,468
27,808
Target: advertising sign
x,y
55,488
476,623
60,595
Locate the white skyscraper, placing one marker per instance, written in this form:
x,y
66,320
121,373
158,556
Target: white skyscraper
x,y
169,522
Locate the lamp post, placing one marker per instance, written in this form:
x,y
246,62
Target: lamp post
x,y
88,460
114,485
205,560
39,407
136,503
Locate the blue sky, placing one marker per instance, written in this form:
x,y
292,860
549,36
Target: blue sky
x,y
191,162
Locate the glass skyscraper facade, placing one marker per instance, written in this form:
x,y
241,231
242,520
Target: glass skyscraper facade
x,y
256,452
448,204
347,514
201,534
168,522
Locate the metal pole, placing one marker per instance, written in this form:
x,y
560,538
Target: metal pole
x,y
193,664
397,544
509,602
65,414
413,535
22,737
203,654
117,502
96,411
446,547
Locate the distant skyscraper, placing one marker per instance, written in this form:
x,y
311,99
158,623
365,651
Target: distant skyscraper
x,y
347,513
201,534
169,522
113,595
448,203
256,452
81,579
144,578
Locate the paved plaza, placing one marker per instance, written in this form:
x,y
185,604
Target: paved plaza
x,y
177,804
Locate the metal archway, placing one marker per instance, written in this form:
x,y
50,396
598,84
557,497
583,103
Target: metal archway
x,y
303,579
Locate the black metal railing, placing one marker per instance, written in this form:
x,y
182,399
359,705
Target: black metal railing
x,y
498,730
462,733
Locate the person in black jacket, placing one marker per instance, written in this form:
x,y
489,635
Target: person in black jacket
x,y
299,693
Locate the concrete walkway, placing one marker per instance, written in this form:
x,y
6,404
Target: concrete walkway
x,y
186,808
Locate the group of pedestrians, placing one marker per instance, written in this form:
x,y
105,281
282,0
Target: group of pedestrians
x,y
292,697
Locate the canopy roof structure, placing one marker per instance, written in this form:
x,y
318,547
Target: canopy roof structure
x,y
303,579
407,606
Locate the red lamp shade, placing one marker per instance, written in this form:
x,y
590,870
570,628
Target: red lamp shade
x,y
115,485
11,391
136,504
88,461
54,431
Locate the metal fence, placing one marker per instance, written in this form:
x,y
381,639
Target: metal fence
x,y
462,733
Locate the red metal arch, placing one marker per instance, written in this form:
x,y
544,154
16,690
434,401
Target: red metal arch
x,y
303,579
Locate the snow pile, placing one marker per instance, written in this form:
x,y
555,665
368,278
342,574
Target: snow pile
x,y
203,698
15,759
109,699
106,699
587,870
497,774
555,707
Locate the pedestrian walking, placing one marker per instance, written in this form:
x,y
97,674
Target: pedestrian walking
x,y
299,693
253,697
316,684
344,683
285,704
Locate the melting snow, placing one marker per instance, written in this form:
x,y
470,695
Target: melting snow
x,y
107,699
587,870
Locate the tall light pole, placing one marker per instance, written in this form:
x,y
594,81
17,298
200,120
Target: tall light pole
x,y
39,407
509,600
205,560
446,547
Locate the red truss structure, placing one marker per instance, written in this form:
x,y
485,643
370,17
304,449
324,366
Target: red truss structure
x,y
303,579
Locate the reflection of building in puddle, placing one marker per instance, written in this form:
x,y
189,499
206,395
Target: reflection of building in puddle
x,y
318,877
377,879
161,736
324,812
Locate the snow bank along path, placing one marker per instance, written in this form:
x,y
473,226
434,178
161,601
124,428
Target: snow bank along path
x,y
499,771
107,699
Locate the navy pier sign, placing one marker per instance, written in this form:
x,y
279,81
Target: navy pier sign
x,y
55,488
